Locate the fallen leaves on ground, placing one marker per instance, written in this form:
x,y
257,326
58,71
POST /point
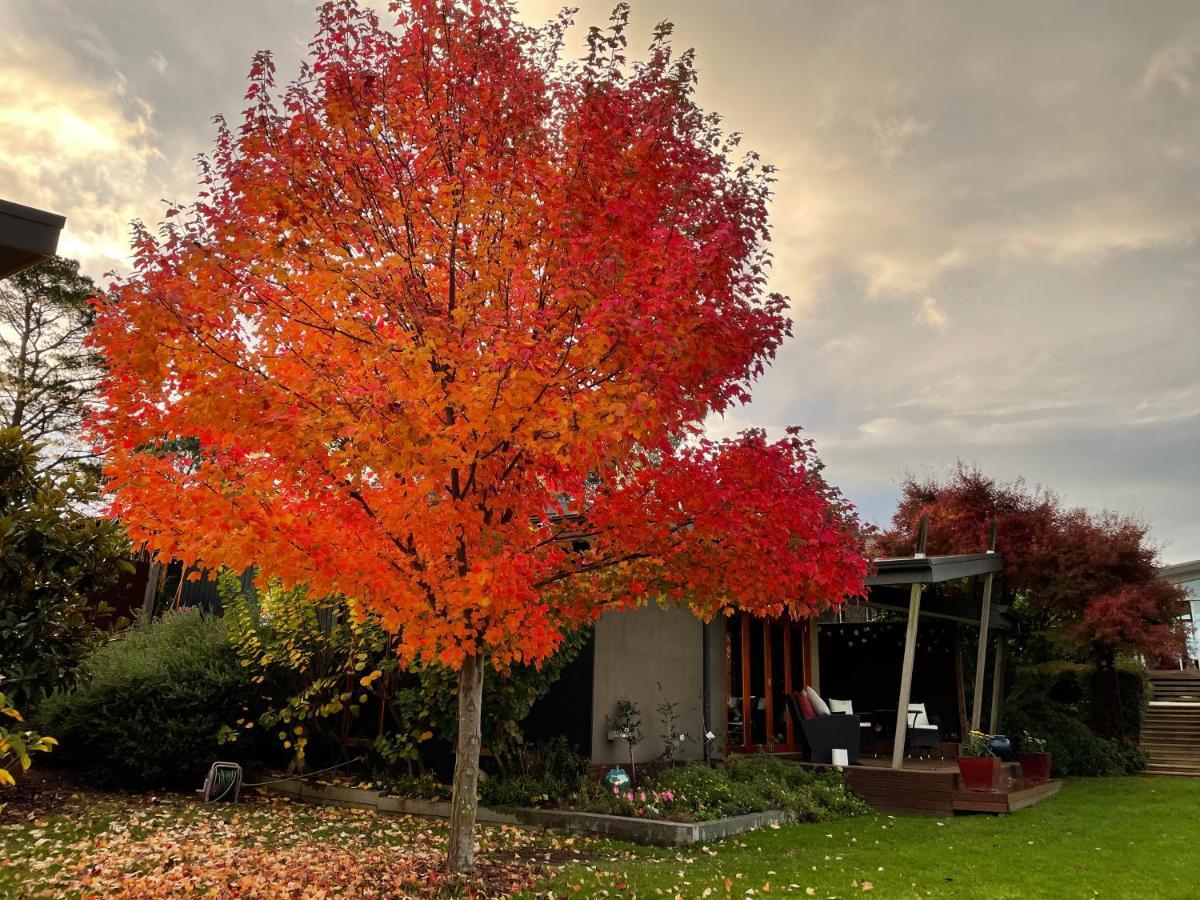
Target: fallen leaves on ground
x,y
91,844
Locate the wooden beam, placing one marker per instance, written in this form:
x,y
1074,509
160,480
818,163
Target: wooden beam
x,y
960,691
981,653
997,685
910,649
984,620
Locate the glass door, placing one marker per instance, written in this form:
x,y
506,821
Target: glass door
x,y
764,664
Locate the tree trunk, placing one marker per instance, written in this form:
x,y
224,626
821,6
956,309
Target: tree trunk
x,y
1108,719
461,857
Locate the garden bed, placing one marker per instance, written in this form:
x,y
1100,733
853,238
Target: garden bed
x,y
657,832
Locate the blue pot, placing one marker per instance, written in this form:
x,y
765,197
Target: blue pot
x,y
1002,747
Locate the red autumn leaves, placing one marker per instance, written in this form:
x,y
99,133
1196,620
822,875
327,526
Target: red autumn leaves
x,y
440,286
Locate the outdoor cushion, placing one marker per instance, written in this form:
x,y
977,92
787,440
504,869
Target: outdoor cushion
x,y
806,707
820,707
841,706
793,704
917,717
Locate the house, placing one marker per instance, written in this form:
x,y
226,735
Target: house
x,y
1187,574
711,691
27,236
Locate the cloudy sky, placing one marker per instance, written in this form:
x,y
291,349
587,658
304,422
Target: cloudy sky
x,y
988,214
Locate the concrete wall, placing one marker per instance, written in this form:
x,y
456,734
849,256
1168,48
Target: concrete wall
x,y
651,655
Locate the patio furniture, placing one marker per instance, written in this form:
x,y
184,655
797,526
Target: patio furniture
x,y
824,733
923,732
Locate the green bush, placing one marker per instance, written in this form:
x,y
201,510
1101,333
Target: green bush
x,y
547,773
55,557
1073,747
149,705
1072,686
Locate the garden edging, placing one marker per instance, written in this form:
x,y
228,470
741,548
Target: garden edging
x,y
658,832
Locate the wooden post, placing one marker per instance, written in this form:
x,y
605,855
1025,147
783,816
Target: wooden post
x,y
910,649
960,691
997,685
981,654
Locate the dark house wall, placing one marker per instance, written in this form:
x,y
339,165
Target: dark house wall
x,y
566,709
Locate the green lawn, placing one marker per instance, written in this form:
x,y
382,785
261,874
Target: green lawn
x,y
1127,837
1122,837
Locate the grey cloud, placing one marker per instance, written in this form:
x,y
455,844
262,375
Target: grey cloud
x,y
987,214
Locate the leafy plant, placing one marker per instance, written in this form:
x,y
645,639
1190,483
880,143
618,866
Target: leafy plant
x,y
627,723
317,663
16,746
548,773
673,739
1031,743
697,792
149,705
54,558
330,670
977,745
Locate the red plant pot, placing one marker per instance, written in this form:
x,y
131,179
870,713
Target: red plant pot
x,y
1035,767
979,773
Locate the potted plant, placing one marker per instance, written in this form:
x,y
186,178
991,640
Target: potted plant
x,y
978,765
1034,760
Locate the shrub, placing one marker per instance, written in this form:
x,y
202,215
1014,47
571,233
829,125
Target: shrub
x,y
1073,686
54,557
415,787
1074,749
149,705
549,773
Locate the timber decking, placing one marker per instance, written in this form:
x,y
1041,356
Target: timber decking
x,y
1171,725
934,788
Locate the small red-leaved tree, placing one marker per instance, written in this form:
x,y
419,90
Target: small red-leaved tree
x,y
1084,584
441,289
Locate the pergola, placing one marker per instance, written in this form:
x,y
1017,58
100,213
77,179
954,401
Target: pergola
x,y
916,573
27,236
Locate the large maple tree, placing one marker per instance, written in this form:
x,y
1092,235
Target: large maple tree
x,y
440,334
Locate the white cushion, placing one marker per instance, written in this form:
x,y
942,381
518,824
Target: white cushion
x,y
841,706
820,707
917,717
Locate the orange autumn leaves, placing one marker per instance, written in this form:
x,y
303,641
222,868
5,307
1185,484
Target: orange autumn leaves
x,y
440,334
